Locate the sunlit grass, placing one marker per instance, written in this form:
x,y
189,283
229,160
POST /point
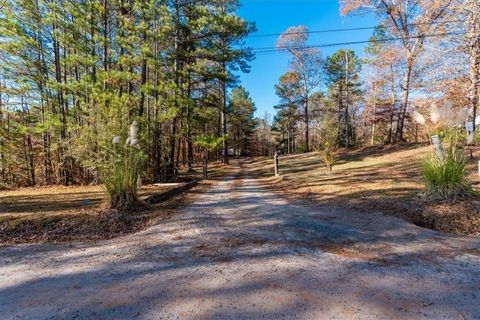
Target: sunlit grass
x,y
394,172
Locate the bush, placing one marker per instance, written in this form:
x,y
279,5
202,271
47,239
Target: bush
x,y
329,156
121,174
476,139
445,176
301,148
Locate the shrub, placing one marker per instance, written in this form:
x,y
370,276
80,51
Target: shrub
x,y
329,133
445,176
301,148
121,174
329,156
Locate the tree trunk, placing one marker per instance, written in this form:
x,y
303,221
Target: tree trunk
x,y
224,117
173,132
62,168
31,160
347,120
307,125
105,35
289,147
189,131
143,81
372,142
44,98
406,93
473,94
393,104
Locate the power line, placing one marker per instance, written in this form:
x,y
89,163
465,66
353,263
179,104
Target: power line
x,y
272,50
345,29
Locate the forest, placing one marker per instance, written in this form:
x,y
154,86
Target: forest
x,y
74,75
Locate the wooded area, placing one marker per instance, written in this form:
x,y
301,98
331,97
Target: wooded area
x,y
76,74
423,59
79,78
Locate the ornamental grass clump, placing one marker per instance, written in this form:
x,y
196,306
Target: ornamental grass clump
x,y
445,178
122,172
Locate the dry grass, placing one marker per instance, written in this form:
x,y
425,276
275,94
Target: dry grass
x,y
58,200
77,213
386,179
62,214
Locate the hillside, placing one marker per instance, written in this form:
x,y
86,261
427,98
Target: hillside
x,y
386,179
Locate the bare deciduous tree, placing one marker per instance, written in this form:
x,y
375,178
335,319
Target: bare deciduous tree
x,y
307,63
411,21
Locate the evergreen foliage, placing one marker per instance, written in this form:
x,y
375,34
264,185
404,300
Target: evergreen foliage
x,y
75,74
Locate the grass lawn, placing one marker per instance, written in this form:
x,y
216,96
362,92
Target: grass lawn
x,y
59,213
58,200
384,178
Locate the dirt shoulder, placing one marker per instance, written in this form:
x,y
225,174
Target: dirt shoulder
x,y
380,179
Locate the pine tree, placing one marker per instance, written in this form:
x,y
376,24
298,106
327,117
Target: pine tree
x,y
88,69
242,121
343,68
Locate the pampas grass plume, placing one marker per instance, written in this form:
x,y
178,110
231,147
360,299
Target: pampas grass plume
x,y
418,118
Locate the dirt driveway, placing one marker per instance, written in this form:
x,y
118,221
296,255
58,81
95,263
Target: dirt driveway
x,y
242,252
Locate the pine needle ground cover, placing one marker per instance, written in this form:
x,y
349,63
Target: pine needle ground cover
x,y
54,214
79,213
385,179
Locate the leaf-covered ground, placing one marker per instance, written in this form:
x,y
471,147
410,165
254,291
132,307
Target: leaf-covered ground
x,y
78,213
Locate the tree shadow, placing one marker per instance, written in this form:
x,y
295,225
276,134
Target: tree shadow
x,y
252,255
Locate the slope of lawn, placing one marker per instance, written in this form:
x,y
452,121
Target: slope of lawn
x,y
386,179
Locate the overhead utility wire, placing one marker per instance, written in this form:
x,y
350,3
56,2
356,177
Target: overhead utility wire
x,y
344,30
324,31
271,50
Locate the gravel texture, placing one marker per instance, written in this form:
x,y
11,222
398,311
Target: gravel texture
x,y
242,252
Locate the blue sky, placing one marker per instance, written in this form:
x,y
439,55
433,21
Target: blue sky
x,y
275,16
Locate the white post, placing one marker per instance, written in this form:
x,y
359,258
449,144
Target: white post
x,y
437,144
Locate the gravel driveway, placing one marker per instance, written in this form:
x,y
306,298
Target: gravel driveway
x,y
242,252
